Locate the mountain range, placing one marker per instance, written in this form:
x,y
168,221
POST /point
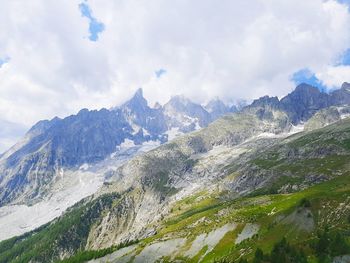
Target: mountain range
x,y
89,137
183,182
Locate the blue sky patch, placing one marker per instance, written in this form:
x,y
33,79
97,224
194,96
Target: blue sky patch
x,y
4,61
308,77
345,59
347,2
95,27
160,72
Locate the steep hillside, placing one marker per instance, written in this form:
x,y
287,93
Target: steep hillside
x,y
177,207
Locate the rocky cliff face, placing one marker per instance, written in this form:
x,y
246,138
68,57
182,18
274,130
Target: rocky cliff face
x,y
304,102
342,95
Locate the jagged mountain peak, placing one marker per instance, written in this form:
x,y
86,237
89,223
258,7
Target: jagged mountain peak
x,y
157,106
341,96
345,86
265,101
183,104
215,104
304,102
217,108
139,92
137,101
307,94
304,87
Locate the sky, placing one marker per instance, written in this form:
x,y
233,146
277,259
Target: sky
x,y
57,57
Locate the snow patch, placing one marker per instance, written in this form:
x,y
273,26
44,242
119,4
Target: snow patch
x,y
344,112
75,185
84,167
198,127
127,143
344,115
297,128
145,132
134,127
173,133
69,188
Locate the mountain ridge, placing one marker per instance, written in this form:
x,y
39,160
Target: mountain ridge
x,y
88,137
100,132
305,101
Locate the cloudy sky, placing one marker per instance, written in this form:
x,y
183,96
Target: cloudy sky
x,y
57,57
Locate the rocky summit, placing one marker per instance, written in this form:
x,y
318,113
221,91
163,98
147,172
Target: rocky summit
x,y
182,182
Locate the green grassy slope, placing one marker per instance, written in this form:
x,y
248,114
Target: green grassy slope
x,y
326,204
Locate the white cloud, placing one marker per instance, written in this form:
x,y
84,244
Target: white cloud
x,y
208,48
334,76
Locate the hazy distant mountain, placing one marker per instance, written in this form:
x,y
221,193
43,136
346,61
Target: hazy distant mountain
x,y
217,108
